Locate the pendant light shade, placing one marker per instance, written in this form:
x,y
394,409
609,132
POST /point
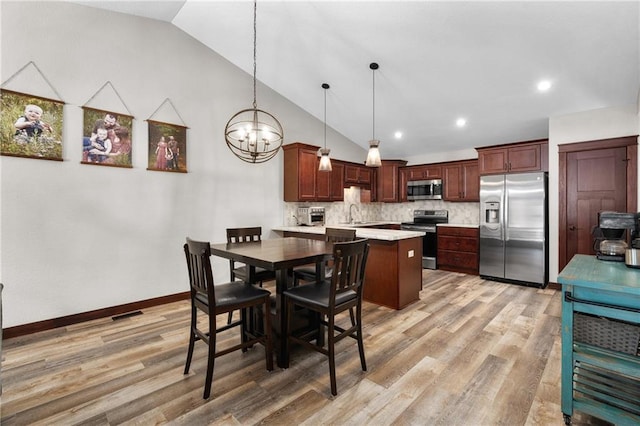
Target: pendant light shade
x,y
325,161
373,156
254,135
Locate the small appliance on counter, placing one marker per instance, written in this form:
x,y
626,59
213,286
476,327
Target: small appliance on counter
x,y
610,235
310,216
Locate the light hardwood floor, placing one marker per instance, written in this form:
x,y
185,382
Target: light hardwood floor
x,y
470,352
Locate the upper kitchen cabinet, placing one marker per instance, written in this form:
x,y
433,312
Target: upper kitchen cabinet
x,y
300,166
357,175
387,180
330,185
532,156
461,181
302,179
421,172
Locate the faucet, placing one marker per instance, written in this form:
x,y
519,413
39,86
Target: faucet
x,y
350,212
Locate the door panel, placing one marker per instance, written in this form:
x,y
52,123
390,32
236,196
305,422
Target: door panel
x,y
596,181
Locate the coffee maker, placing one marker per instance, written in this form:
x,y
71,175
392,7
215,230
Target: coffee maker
x,y
610,239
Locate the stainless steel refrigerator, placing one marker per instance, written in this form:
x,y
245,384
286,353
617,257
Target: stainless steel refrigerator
x,y
514,228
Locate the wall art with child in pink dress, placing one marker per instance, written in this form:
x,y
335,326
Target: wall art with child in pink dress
x,y
167,147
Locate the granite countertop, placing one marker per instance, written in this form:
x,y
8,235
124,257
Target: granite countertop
x,y
459,225
371,233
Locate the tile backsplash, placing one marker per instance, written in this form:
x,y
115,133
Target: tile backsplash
x,y
338,212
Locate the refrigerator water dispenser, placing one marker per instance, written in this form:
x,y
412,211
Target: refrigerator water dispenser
x,y
492,212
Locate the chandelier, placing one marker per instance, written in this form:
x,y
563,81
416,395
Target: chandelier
x,y
373,156
254,135
325,161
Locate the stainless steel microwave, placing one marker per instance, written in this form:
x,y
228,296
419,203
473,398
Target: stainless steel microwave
x,y
424,189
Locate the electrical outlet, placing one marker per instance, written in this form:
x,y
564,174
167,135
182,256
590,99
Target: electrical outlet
x,y
411,253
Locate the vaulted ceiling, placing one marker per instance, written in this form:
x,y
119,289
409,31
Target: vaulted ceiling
x,y
439,61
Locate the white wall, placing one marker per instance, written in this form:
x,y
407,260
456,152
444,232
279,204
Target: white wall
x,y
78,237
581,127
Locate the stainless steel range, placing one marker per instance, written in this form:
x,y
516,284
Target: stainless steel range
x,y
426,221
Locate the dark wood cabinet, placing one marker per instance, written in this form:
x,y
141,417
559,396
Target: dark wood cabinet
x,y
387,181
357,175
300,172
458,249
337,181
530,156
422,172
302,179
461,181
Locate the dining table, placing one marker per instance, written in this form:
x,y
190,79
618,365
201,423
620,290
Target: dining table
x,y
280,255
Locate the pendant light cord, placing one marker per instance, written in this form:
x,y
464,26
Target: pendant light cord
x,y
255,7
373,130
325,118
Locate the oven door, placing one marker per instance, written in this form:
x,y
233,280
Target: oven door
x,y
429,243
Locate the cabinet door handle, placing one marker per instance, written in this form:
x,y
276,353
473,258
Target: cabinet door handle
x,y
569,298
572,228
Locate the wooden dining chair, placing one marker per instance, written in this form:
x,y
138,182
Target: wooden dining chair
x,y
308,272
214,300
240,271
343,291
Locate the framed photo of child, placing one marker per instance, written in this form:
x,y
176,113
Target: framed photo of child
x,y
30,126
106,139
167,147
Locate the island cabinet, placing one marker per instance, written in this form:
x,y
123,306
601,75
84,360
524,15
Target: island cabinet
x,y
387,181
600,340
302,179
532,156
458,249
461,181
393,275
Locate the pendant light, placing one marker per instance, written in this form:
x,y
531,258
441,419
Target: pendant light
x,y
254,135
325,161
373,157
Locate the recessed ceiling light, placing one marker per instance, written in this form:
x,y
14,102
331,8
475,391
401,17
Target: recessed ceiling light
x,y
461,122
398,135
544,85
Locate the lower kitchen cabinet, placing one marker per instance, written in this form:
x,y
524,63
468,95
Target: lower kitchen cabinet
x,y
458,249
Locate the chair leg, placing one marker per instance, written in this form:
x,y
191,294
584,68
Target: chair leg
x,y
230,317
288,312
192,341
352,316
243,326
360,341
332,356
211,358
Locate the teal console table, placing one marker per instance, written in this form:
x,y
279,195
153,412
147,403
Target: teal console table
x,y
600,333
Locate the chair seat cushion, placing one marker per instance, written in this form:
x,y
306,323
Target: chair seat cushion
x,y
235,292
260,275
318,294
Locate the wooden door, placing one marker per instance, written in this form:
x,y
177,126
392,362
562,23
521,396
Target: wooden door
x,y
594,176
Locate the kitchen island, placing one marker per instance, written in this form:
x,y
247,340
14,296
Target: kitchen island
x,y
600,340
393,276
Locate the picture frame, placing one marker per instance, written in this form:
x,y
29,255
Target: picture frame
x,y
106,139
167,147
30,126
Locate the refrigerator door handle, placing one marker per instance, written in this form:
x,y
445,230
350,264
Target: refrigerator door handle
x,y
505,213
